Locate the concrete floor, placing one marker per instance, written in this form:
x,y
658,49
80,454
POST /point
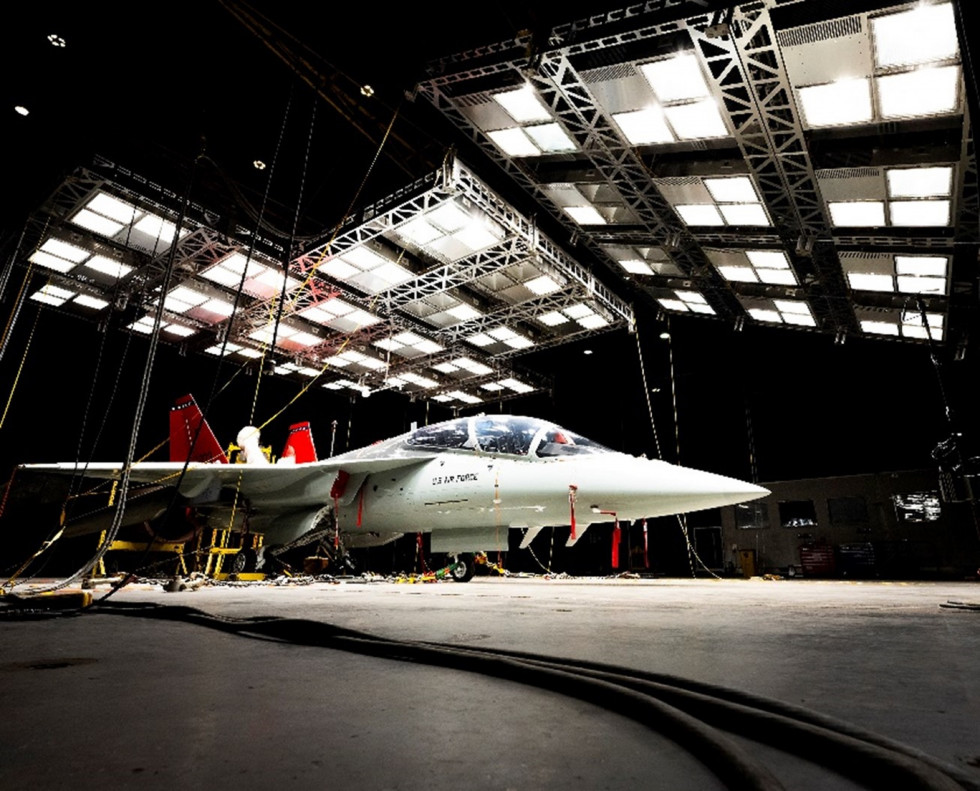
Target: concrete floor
x,y
120,696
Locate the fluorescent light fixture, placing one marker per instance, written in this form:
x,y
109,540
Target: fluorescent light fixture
x,y
408,338
64,250
879,327
97,223
860,281
516,385
919,212
766,315
418,380
523,104
699,214
768,259
363,258
687,302
450,217
429,347
921,265
552,318
921,285
217,351
177,329
52,295
514,142
371,363
338,269
795,312
464,312
551,138
108,266
593,322
924,34
492,386
143,325
445,368
542,285
736,189
858,214
697,120
388,344
472,366
252,354
585,215
181,299
744,214
777,277
218,306
636,267
837,103
676,78
934,182
157,228
113,208
228,271
577,311
49,261
480,339
913,326
87,301
738,274
644,127
925,91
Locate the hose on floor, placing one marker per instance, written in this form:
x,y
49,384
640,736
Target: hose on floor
x,y
694,715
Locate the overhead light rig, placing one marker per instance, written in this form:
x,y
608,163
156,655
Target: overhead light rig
x,y
783,162
431,292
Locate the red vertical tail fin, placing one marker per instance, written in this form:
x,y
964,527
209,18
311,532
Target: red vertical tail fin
x,y
299,444
191,438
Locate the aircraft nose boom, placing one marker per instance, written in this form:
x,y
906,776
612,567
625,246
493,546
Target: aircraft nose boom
x,y
646,488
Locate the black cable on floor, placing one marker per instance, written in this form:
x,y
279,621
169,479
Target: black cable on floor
x,y
688,712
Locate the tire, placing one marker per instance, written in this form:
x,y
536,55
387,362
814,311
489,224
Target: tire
x,y
464,568
244,562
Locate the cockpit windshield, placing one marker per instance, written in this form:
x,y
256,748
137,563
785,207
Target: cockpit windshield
x,y
508,434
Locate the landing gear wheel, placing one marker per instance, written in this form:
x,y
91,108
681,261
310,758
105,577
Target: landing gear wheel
x,y
463,569
244,561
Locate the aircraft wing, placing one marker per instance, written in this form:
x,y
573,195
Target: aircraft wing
x,y
264,485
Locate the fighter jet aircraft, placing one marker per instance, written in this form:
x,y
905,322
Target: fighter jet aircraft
x,y
466,481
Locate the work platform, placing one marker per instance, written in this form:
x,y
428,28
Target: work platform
x,y
231,683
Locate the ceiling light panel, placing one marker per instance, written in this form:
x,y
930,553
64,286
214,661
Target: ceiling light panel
x,y
792,312
715,201
368,268
685,301
753,266
590,204
261,280
923,34
643,260
897,323
448,232
874,68
340,315
896,273
523,126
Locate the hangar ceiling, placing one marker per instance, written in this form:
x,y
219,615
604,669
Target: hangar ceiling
x,y
803,164
783,163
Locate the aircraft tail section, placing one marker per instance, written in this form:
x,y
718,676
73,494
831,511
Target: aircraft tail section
x,y
191,438
299,445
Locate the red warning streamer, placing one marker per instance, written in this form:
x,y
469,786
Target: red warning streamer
x,y
572,488
615,538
